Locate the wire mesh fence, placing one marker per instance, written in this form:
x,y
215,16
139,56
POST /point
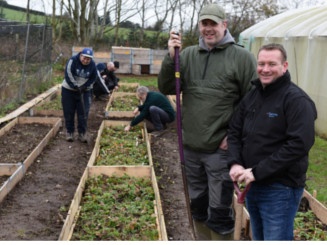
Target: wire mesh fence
x,y
25,59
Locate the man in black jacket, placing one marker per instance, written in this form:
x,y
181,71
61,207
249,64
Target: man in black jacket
x,y
107,79
269,139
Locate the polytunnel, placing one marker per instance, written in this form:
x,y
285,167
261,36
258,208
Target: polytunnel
x,y
303,33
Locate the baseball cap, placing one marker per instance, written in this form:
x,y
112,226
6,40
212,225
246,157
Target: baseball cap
x,y
212,12
87,52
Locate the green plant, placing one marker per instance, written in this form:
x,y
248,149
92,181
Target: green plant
x,y
117,208
122,148
8,108
124,103
307,227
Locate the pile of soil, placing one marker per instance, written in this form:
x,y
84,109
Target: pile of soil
x,y
36,208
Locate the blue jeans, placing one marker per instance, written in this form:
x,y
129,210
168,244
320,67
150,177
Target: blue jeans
x,y
71,104
158,117
272,210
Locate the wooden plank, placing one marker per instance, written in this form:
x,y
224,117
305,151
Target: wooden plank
x,y
133,171
317,207
96,148
47,113
129,84
11,182
68,227
118,115
8,127
41,120
160,215
238,208
7,169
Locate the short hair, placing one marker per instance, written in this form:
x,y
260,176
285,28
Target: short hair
x,y
275,46
142,90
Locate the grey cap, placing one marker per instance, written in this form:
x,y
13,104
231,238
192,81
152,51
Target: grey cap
x,y
212,12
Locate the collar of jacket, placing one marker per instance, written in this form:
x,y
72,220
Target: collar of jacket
x,y
280,82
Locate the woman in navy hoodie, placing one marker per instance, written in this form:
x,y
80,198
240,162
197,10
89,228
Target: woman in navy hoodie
x,y
80,74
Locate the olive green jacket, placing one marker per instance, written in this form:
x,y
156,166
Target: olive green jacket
x,y
212,84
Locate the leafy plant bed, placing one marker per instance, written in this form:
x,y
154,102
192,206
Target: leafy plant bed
x,y
116,203
123,102
307,227
117,147
121,105
117,208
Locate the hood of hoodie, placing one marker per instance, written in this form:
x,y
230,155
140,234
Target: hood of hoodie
x,y
227,39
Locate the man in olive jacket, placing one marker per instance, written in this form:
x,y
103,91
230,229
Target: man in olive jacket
x,y
215,75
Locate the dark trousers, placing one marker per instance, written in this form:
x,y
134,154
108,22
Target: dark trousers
x,y
158,117
71,104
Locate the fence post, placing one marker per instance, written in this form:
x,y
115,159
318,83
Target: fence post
x,y
22,84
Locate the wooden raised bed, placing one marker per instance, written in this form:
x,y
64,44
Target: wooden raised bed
x,y
119,100
109,123
50,107
133,171
16,171
29,105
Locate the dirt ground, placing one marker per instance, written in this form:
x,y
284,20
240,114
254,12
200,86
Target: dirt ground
x,y
36,208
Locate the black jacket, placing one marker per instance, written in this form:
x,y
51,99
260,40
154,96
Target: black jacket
x,y
273,131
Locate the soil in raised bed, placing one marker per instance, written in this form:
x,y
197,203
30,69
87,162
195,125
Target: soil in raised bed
x,y
13,147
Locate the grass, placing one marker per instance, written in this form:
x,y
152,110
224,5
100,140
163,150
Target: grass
x,y
145,80
317,171
17,15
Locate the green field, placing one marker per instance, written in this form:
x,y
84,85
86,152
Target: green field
x,y
21,16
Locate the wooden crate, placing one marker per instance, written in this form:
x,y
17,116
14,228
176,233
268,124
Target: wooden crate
x,y
134,171
109,123
16,171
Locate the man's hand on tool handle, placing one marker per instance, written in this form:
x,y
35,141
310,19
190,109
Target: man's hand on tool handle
x,y
240,174
174,41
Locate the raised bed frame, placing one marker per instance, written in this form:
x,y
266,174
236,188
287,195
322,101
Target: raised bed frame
x,y
16,171
34,111
118,115
109,123
134,171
